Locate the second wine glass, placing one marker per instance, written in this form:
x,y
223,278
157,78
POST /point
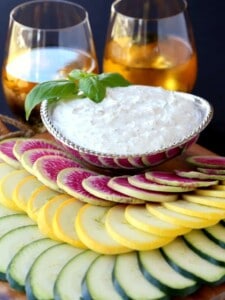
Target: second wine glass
x,y
151,42
46,40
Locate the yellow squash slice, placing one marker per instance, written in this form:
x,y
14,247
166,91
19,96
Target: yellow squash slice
x,y
7,186
128,235
90,227
168,215
64,222
23,191
141,218
206,200
46,214
42,195
196,210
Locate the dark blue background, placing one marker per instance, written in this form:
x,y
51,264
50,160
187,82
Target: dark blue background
x,y
207,17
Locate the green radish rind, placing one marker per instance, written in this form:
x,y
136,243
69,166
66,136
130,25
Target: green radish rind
x,y
171,178
212,171
121,184
207,161
100,186
142,182
199,175
24,144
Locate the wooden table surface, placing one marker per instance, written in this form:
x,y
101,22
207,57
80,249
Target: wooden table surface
x,y
204,293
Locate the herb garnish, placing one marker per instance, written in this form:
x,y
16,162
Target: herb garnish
x,y
78,83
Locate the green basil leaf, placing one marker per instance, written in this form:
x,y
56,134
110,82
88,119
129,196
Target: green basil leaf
x,y
92,88
49,90
113,80
79,74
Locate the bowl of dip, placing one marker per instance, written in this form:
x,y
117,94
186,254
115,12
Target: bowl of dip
x,y
134,127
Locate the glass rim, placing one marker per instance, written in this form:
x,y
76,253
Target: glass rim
x,y
12,17
114,9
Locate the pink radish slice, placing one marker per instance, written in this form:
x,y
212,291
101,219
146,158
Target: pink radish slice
x,y
212,171
155,159
199,175
6,152
123,163
29,157
70,180
47,168
122,185
98,186
27,144
171,178
142,182
217,162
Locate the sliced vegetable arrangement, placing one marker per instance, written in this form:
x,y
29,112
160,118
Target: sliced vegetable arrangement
x,y
60,221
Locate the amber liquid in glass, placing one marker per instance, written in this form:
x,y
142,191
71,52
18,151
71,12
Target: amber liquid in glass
x,y
169,63
22,73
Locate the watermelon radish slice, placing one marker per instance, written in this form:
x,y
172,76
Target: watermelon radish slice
x,y
199,175
171,178
142,182
6,152
98,186
70,180
212,171
217,162
26,144
46,169
29,157
122,185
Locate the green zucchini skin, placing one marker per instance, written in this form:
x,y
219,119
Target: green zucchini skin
x,y
46,268
154,256
13,241
188,263
98,283
126,271
68,284
205,247
21,263
219,236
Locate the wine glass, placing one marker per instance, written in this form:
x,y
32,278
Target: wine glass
x,y
151,42
46,40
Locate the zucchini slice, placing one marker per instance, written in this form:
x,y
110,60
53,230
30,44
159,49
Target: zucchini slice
x,y
22,261
188,263
11,222
216,233
157,270
45,269
130,282
98,282
206,248
13,241
69,281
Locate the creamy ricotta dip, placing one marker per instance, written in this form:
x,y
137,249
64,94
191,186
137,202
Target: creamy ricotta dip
x,y
130,120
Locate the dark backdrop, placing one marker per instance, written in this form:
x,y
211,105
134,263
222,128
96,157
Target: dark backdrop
x,y
208,23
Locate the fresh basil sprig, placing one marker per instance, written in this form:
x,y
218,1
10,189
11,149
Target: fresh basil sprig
x,y
78,83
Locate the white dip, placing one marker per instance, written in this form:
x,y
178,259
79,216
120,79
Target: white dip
x,y
130,120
